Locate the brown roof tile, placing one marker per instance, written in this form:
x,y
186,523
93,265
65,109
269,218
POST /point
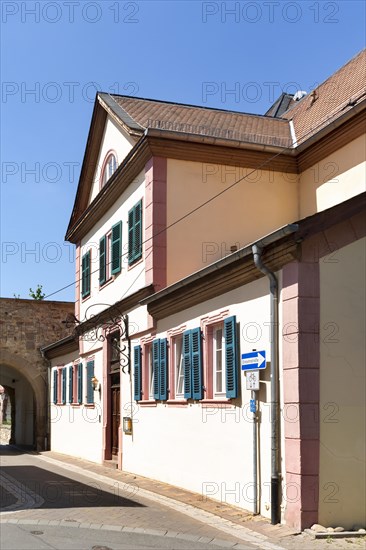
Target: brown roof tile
x,y
203,121
331,99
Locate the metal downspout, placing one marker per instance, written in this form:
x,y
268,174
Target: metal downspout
x,y
275,442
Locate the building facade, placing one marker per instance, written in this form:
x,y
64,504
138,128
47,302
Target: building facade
x,y
203,235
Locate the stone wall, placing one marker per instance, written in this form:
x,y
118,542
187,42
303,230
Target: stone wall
x,y
25,326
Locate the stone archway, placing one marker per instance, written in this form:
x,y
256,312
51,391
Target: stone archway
x,y
25,327
29,401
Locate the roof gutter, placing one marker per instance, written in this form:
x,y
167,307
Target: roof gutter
x,y
220,141
331,126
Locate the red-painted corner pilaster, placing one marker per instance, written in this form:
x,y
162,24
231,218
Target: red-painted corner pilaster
x,y
301,360
155,222
77,281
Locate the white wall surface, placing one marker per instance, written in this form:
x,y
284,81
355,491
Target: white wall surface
x,y
115,139
76,430
208,450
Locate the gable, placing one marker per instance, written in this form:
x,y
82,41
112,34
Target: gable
x,y
114,140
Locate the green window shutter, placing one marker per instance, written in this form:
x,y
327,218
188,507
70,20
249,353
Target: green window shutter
x,y
196,363
131,219
80,383
89,385
55,375
163,370
102,260
85,275
135,233
71,379
63,379
138,231
156,364
231,357
116,248
187,364
137,372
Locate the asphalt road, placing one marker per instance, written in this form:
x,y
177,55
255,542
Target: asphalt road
x,y
47,506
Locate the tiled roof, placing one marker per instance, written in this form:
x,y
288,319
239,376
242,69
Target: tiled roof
x,y
203,121
331,99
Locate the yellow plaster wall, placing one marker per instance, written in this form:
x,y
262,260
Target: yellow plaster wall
x,y
334,179
256,206
342,490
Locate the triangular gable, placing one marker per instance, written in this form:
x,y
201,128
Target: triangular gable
x,y
105,108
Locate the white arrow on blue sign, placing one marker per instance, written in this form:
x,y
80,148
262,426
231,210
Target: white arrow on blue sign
x,y
253,360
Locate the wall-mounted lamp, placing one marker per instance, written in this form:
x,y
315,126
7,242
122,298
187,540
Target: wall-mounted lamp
x,y
127,425
95,383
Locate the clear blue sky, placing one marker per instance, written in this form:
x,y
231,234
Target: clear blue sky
x,y
56,54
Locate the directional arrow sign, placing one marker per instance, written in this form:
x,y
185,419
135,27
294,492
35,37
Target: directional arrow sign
x,y
253,360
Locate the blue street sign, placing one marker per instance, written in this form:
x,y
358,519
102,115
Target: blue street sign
x,y
252,406
253,360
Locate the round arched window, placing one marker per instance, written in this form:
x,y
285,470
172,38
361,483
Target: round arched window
x,y
109,167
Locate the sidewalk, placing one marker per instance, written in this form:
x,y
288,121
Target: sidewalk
x,y
173,496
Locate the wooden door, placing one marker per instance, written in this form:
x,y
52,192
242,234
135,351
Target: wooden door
x,y
115,418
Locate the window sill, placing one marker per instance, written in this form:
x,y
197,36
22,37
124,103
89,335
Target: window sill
x,y
135,263
85,298
89,405
147,403
75,404
107,283
177,402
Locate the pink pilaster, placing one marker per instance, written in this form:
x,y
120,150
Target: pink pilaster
x,y
155,222
301,355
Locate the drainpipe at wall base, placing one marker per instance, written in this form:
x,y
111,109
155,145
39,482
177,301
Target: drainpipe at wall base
x,y
275,442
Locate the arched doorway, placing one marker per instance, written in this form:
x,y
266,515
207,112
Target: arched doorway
x,y
27,390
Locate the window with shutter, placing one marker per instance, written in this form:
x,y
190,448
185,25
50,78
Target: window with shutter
x,y
187,364
135,233
192,364
156,369
178,366
137,372
231,357
116,246
55,379
71,384
102,260
80,383
89,384
63,386
196,363
85,275
163,369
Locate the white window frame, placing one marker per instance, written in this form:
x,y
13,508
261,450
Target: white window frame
x,y
215,350
151,372
178,365
109,168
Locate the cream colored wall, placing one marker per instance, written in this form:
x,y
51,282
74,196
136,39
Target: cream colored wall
x,y
334,179
114,138
181,442
342,387
253,208
129,279
77,430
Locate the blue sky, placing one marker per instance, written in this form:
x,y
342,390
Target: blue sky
x,y
56,54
